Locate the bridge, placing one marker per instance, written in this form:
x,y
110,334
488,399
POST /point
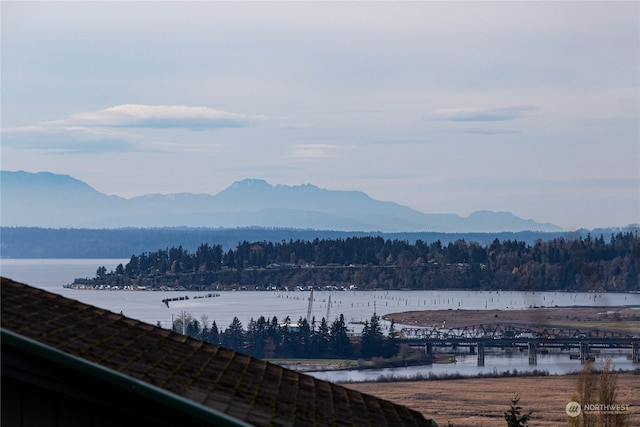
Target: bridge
x,y
534,345
505,330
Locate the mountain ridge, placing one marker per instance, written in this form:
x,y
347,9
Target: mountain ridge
x,y
45,199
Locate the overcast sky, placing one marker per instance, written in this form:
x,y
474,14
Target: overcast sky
x,y
527,107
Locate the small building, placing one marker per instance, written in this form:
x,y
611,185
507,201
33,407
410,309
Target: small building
x,y
65,363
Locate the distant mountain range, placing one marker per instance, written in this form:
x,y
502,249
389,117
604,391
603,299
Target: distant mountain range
x,y
60,201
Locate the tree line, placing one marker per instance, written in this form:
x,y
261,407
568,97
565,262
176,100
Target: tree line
x,y
35,242
269,338
583,264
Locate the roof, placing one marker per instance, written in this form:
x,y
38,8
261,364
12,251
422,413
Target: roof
x,y
177,370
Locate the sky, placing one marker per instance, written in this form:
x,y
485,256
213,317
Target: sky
x,y
445,107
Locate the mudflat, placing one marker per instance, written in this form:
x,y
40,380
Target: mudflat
x,y
482,402
567,319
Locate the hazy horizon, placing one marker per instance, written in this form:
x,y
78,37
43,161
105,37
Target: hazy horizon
x,y
443,107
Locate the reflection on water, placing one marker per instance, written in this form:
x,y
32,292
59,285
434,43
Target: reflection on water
x,y
466,365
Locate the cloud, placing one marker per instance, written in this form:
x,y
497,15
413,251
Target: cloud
x,y
499,114
315,151
121,128
399,141
157,116
350,111
477,131
69,139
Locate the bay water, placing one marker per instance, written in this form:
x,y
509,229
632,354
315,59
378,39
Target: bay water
x,y
356,306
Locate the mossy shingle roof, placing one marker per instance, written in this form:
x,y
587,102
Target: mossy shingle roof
x,y
248,389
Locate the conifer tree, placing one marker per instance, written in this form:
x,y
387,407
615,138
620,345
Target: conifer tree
x,y
233,336
340,344
513,416
321,339
391,343
372,338
214,335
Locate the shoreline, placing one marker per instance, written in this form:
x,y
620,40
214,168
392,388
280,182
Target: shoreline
x,y
615,319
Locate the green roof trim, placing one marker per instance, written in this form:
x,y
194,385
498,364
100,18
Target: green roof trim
x,y
115,378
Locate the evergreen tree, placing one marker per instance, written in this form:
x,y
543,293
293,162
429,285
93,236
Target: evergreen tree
x,y
285,342
513,416
213,335
372,338
321,339
340,344
303,339
101,272
120,269
390,344
233,336
256,337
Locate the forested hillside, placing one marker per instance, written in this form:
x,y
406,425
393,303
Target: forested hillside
x,y
35,242
589,264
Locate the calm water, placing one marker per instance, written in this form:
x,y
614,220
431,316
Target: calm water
x,y
53,274
467,365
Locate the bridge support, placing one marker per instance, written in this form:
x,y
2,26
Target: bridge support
x,y
584,352
428,350
472,349
635,352
533,353
480,354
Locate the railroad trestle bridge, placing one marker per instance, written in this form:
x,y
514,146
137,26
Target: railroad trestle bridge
x,y
504,331
587,345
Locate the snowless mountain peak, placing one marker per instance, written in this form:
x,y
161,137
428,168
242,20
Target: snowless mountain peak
x,y
50,200
250,183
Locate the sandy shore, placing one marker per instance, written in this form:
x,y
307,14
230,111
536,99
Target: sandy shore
x,y
482,402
